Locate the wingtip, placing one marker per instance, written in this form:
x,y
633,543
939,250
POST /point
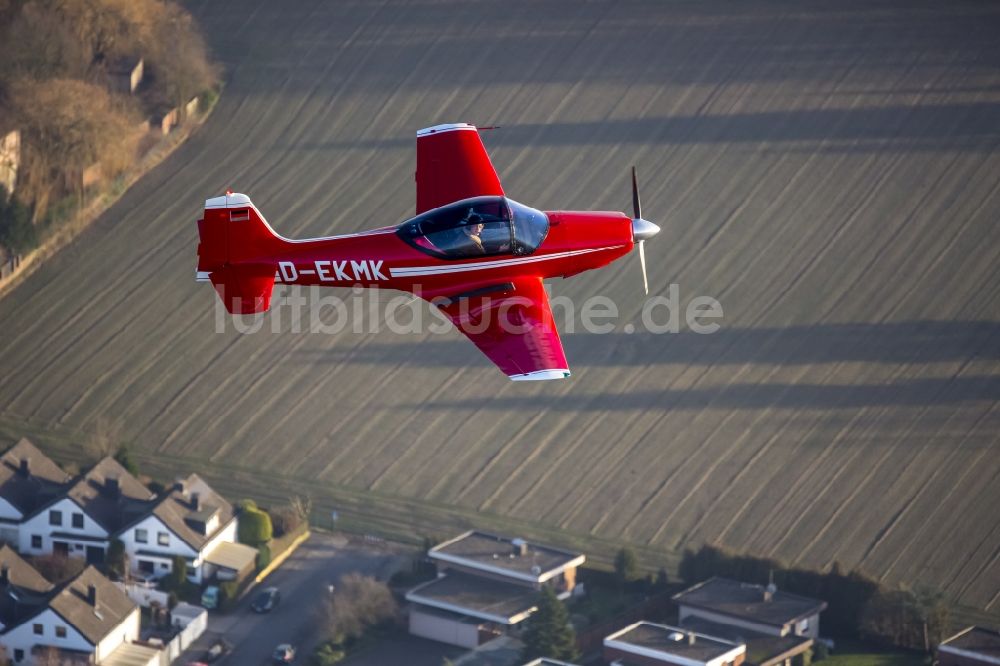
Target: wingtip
x,y
541,375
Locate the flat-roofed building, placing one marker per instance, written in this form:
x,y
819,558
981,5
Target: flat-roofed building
x,y
513,560
973,646
649,644
486,587
762,649
760,608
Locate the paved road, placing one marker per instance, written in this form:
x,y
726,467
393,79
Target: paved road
x,y
303,581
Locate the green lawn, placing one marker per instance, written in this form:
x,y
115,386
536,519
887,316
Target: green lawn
x,y
849,653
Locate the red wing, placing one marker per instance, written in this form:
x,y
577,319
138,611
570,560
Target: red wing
x,y
512,324
452,164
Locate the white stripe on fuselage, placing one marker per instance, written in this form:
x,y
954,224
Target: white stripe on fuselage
x,y
416,271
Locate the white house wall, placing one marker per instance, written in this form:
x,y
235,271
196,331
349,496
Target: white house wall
x,y
9,531
443,629
39,525
126,632
22,637
227,533
8,511
153,526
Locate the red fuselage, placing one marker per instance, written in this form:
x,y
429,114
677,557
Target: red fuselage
x,y
576,242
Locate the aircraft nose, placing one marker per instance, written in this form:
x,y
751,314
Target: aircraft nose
x,y
643,229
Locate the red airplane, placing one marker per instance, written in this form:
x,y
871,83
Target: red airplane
x,y
474,253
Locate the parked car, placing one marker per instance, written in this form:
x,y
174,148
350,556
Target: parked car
x,y
266,600
284,654
210,597
217,651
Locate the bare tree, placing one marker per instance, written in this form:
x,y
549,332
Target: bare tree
x,y
83,124
302,506
178,57
358,603
38,44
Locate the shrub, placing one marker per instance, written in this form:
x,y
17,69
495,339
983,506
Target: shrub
x,y
125,459
227,594
17,233
255,527
328,654
627,566
117,559
263,557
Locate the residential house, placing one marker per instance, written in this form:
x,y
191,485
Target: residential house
x,y
762,649
193,521
487,586
28,480
87,619
510,560
83,521
43,510
757,608
973,646
648,644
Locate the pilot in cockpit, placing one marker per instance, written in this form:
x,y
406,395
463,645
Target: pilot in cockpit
x,y
473,229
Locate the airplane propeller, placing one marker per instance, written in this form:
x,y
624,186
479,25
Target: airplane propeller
x,y
641,229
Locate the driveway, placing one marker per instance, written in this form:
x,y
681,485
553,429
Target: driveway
x,y
303,580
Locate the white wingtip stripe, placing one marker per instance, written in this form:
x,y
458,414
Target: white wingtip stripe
x,y
449,127
541,375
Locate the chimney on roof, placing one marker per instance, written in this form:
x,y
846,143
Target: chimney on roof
x,y
25,468
4,576
520,547
196,501
691,638
92,595
769,592
112,486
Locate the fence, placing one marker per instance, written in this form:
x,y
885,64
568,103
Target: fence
x,y
144,596
189,623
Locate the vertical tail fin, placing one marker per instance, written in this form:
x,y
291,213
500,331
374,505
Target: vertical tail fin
x,y
236,253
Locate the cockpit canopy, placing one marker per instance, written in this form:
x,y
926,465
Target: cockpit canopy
x,y
477,227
